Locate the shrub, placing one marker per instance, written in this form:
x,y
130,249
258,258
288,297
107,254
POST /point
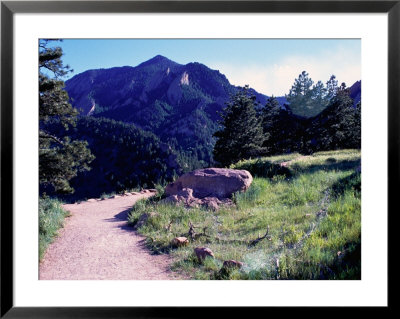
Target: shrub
x,y
263,168
51,219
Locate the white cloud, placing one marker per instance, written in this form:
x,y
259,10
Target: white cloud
x,y
277,78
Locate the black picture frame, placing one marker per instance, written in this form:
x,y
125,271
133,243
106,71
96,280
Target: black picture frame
x,y
9,8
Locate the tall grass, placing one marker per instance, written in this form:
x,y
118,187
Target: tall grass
x,y
312,217
51,219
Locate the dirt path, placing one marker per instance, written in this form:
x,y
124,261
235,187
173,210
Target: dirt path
x,y
96,243
300,158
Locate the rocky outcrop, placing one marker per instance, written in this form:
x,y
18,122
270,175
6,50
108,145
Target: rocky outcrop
x,y
211,187
185,79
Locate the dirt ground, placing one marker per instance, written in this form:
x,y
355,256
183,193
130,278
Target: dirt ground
x,y
97,244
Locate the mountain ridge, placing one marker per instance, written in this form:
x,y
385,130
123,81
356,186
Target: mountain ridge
x,y
179,103
157,69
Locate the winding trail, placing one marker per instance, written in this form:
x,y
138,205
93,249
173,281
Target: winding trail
x,y
97,244
300,158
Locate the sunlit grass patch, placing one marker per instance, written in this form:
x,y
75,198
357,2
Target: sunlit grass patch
x,y
303,225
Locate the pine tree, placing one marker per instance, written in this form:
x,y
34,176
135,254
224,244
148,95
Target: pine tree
x,y
60,158
346,129
241,136
306,99
331,87
300,94
357,126
272,125
339,126
318,98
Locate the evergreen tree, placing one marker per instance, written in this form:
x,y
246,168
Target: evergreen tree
x,y
318,98
331,87
339,126
60,158
306,99
346,130
241,136
300,94
272,126
357,126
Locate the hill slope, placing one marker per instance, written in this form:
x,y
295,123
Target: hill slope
x,y
126,157
179,103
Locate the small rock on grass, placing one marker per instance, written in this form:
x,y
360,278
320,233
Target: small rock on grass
x,y
179,241
232,264
203,252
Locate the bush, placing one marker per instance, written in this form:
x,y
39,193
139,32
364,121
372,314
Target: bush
x,y
263,168
51,219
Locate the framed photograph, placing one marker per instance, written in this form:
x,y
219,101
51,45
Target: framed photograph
x,y
196,154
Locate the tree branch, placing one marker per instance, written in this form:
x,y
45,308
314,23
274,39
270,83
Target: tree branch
x,y
49,136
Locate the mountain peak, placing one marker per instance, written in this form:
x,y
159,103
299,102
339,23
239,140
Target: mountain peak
x,y
158,59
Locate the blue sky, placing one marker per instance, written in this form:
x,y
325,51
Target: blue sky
x,y
268,65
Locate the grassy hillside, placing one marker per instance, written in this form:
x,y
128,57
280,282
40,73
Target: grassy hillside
x,y
300,219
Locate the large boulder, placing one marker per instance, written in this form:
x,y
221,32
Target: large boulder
x,y
211,182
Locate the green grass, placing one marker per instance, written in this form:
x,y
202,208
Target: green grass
x,y
311,209
51,219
